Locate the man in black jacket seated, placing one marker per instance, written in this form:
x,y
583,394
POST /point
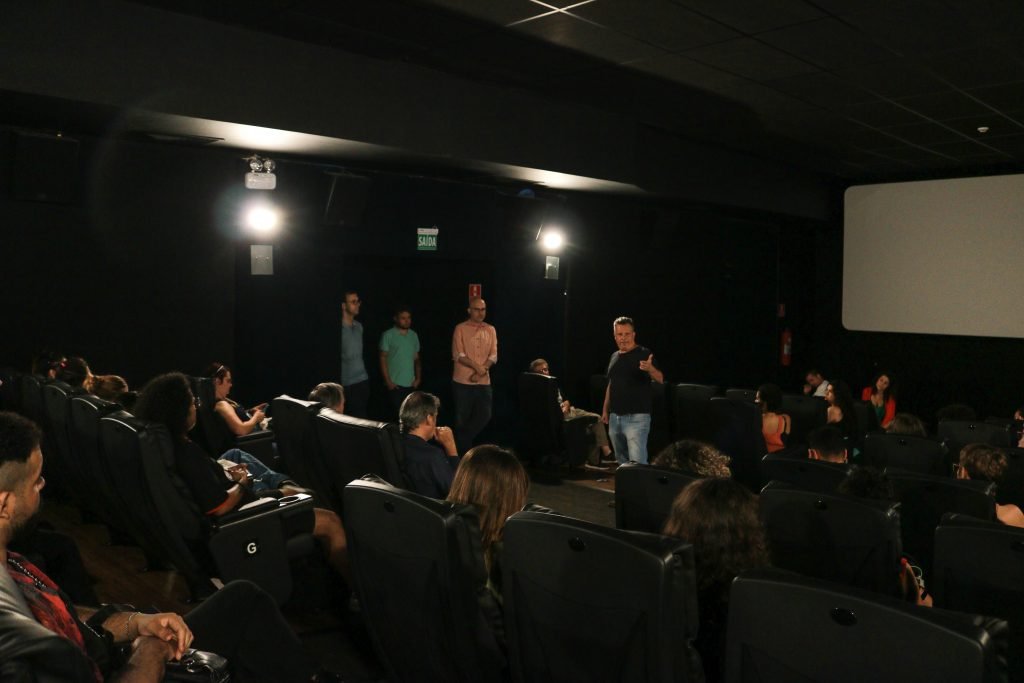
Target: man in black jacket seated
x,y
43,636
429,468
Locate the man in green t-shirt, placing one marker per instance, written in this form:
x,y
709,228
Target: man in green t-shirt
x,y
400,358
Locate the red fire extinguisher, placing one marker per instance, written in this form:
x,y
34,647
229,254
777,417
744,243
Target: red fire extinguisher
x,y
786,344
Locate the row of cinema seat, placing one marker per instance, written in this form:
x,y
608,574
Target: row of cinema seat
x,y
732,422
589,603
120,470
801,509
971,562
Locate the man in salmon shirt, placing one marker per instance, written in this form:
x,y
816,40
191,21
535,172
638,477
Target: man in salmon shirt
x,y
474,351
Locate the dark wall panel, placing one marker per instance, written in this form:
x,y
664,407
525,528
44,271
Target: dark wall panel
x,y
136,276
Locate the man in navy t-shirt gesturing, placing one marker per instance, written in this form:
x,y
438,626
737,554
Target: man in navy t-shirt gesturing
x,y
627,400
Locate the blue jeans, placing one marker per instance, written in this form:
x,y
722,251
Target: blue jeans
x,y
629,436
263,478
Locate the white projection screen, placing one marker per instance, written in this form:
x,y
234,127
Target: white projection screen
x,y
935,257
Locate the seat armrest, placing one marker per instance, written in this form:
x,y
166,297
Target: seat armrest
x,y
266,507
262,435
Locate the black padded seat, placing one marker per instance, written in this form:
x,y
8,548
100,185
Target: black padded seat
x,y
546,436
737,433
644,495
68,470
812,475
919,454
420,576
959,433
840,538
242,544
86,411
587,603
10,390
691,410
806,414
298,447
352,447
924,499
789,629
748,395
978,569
32,398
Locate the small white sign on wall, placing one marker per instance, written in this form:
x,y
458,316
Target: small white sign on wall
x,y
261,258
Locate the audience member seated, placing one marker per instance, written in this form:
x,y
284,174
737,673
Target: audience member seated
x,y
239,622
841,411
827,443
331,394
238,419
775,425
493,480
905,423
815,384
870,483
168,400
882,398
430,468
109,387
694,457
571,412
47,364
74,372
719,517
987,463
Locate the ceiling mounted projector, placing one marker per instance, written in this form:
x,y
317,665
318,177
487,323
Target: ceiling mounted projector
x,y
261,177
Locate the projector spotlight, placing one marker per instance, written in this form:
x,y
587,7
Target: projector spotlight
x,y
262,219
552,240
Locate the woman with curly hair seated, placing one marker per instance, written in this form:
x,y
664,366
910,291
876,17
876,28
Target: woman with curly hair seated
x,y
719,517
694,457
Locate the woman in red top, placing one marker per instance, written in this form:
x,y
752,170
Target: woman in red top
x,y
775,425
882,400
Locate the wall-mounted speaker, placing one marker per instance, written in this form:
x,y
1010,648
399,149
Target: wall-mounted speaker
x,y
44,168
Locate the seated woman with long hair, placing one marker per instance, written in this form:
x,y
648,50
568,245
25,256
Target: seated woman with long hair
x,y
239,420
841,412
719,517
75,372
882,398
491,479
775,424
168,400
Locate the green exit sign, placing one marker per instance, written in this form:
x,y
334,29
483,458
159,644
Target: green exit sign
x,y
426,239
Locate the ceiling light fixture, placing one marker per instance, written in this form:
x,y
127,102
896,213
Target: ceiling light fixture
x,y
261,174
982,129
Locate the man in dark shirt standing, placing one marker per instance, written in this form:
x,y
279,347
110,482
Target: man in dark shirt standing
x,y
429,468
627,400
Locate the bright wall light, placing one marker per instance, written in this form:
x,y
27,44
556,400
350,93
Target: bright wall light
x,y
552,240
262,219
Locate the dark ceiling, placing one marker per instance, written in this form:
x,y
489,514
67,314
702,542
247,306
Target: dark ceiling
x,y
863,89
